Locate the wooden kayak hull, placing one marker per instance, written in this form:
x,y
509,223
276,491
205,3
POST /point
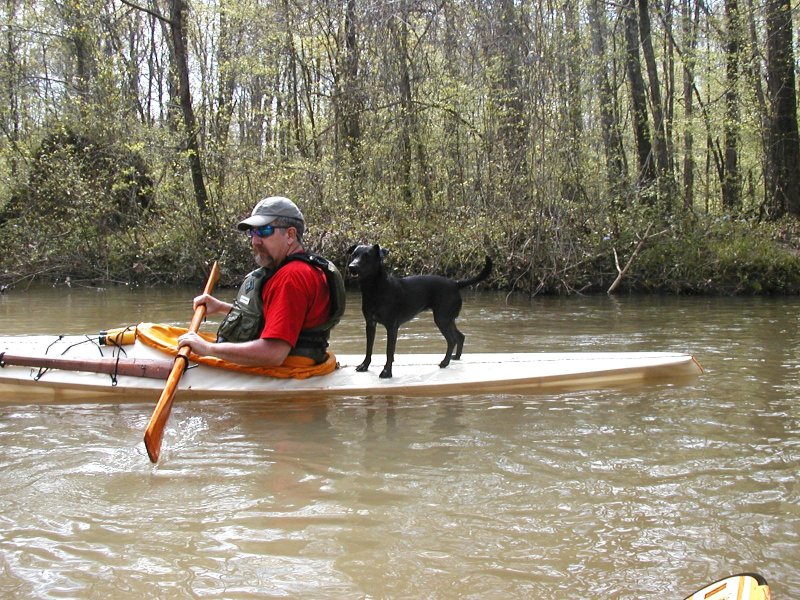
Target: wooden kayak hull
x,y
414,375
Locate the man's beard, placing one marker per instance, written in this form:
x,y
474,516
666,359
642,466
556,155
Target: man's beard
x,y
264,260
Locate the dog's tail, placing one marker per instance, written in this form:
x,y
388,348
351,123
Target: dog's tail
x,y
487,268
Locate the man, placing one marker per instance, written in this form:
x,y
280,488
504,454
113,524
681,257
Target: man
x,y
286,307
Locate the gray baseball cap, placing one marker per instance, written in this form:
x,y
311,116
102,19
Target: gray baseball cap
x,y
269,209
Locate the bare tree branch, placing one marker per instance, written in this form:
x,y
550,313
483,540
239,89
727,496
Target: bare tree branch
x,y
622,271
149,11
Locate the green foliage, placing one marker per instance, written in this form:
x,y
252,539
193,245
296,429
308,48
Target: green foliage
x,y
721,256
89,210
79,195
497,145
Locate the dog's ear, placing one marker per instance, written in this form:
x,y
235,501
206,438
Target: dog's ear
x,y
351,248
379,252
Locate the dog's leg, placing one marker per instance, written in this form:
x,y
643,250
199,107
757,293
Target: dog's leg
x,y
453,336
370,342
459,343
391,342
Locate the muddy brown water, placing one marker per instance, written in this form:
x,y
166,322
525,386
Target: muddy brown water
x,y
644,492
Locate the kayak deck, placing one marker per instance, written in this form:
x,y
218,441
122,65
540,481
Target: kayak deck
x,y
414,374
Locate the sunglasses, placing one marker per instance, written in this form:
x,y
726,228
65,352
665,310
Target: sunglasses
x,y
263,232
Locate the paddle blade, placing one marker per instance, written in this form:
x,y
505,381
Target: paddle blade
x,y
154,433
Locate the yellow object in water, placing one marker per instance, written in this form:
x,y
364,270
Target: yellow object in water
x,y
744,586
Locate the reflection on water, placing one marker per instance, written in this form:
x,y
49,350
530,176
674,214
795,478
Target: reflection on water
x,y
604,493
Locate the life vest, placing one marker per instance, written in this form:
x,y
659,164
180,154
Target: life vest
x,y
245,320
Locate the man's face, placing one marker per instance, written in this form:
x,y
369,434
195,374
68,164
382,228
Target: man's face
x,y
270,250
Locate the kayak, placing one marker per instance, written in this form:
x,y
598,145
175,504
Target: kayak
x,y
135,370
744,586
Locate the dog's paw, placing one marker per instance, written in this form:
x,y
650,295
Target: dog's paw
x,y
444,363
386,374
362,367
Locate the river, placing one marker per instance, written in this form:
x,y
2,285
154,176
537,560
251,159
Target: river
x,y
636,493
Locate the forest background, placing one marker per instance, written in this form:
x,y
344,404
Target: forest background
x,y
574,141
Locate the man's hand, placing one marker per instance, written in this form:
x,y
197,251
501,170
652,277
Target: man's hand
x,y
196,343
213,305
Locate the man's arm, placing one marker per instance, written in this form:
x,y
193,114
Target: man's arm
x,y
255,353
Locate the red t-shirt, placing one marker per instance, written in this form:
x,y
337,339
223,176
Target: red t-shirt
x,y
296,297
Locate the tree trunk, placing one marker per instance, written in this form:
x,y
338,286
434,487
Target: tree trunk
x,y
178,33
411,142
783,189
508,95
227,84
11,79
452,143
689,18
756,77
572,148
350,102
731,183
80,21
293,95
404,84
656,101
633,67
669,88
609,124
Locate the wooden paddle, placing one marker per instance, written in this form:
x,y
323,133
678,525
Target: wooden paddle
x,y
154,433
132,367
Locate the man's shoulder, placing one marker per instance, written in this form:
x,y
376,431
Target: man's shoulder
x,y
297,269
298,263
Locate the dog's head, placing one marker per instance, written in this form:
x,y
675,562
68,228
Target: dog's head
x,y
365,260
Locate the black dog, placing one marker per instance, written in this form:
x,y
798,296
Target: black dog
x,y
392,301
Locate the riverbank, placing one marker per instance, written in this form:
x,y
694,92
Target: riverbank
x,y
693,256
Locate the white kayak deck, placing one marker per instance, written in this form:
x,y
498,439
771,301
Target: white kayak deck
x,y
414,375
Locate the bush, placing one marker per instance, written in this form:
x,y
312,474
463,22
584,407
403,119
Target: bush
x,y
80,194
719,257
